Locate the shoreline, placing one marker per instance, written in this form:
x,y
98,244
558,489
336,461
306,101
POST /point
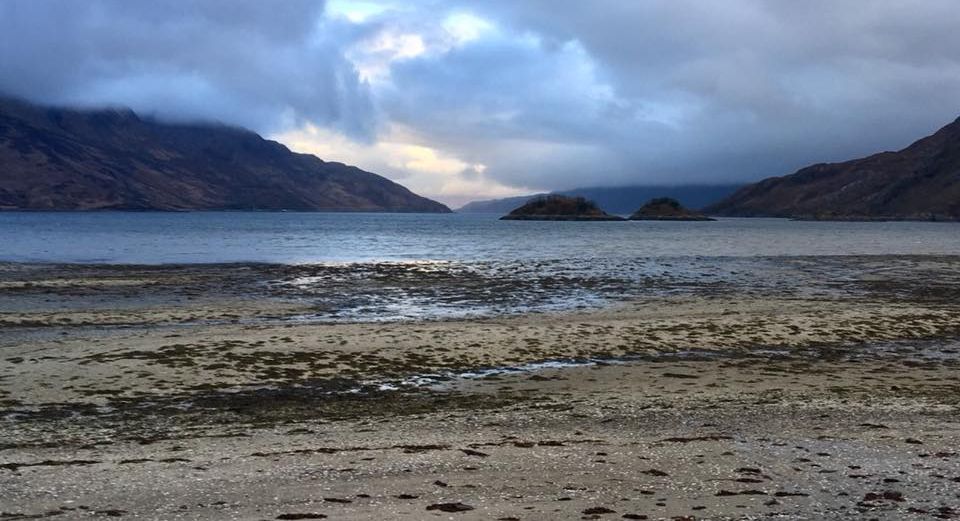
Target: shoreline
x,y
192,395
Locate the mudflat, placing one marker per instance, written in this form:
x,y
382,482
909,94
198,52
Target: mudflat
x,y
229,392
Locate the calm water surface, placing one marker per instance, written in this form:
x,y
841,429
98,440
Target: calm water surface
x,y
386,267
156,238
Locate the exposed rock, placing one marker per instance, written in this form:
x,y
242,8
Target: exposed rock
x,y
450,507
560,208
681,439
61,159
654,472
888,495
477,453
666,209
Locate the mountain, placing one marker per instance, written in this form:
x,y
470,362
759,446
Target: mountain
x,y
63,159
920,182
618,200
499,206
559,208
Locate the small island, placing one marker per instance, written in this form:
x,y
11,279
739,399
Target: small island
x,y
667,209
560,208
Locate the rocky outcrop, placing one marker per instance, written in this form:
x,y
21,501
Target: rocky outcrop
x,y
620,200
62,159
559,208
666,209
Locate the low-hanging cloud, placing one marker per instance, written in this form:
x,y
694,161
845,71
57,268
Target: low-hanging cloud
x,y
533,95
264,65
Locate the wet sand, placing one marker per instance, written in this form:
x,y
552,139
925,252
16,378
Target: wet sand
x,y
158,393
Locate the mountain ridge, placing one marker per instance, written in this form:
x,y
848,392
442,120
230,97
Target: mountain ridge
x,y
919,182
54,158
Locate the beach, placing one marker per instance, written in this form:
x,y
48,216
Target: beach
x,y
372,260
204,392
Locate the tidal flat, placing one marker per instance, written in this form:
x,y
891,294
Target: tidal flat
x,y
783,388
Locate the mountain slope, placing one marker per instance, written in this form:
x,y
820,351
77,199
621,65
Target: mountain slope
x,y
618,200
920,182
61,159
498,206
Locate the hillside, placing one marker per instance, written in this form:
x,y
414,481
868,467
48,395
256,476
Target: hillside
x,y
920,182
666,209
559,208
62,159
498,206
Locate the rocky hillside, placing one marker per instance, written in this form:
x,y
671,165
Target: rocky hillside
x,y
666,209
560,208
920,182
61,159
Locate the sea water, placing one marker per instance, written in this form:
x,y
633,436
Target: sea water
x,y
288,237
390,267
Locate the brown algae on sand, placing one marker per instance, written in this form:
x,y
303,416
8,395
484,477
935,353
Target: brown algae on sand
x,y
707,401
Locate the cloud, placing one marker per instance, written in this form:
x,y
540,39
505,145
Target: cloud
x,y
264,65
406,157
751,88
459,99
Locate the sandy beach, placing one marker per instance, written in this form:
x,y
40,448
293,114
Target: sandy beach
x,y
209,393
441,260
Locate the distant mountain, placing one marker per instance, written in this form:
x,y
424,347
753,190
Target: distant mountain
x,y
498,206
62,159
920,182
621,200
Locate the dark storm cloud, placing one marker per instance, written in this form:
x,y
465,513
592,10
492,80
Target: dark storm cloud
x,y
248,62
752,88
544,94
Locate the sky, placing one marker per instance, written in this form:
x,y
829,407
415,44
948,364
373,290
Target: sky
x,y
463,100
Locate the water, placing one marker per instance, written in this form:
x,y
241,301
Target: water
x,y
292,238
398,267
936,351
